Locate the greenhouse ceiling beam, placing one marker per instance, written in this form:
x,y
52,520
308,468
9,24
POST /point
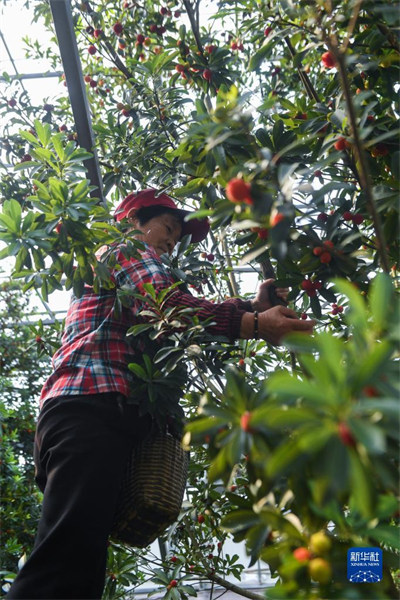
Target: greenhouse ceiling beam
x,y
10,56
62,17
31,76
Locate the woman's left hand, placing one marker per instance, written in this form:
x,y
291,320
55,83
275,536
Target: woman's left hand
x,y
262,301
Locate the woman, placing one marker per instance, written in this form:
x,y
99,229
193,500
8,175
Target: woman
x,y
88,421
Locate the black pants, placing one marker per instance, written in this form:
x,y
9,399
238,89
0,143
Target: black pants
x,y
81,447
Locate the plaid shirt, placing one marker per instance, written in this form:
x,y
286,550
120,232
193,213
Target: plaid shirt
x,y
95,352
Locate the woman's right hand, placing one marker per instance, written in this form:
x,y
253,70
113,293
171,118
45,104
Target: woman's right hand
x,y
274,324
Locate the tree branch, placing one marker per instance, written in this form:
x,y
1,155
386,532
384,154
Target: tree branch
x,y
364,177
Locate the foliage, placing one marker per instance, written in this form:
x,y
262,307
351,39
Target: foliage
x,y
23,365
298,101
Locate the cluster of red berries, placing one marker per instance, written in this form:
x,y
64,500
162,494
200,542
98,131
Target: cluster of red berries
x,y
210,256
355,217
319,568
324,252
236,45
310,287
336,309
124,108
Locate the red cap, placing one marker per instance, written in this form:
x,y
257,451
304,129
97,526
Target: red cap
x,y
198,228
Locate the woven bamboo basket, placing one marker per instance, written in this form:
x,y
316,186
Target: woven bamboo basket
x,y
152,490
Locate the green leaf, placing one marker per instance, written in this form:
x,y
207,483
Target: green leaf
x,y
239,520
380,299
370,435
258,57
43,132
386,535
288,386
361,486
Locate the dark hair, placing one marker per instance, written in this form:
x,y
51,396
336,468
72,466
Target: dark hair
x,y
146,213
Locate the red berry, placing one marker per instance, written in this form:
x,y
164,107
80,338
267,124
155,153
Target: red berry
x,y
238,190
325,257
62,128
317,285
140,38
329,244
346,435
267,31
87,78
200,519
370,391
93,83
347,215
302,554
153,28
340,309
26,158
303,316
173,559
241,362
307,284
380,150
12,102
245,421
318,251
118,28
92,50
276,218
210,48
177,14
328,60
358,219
323,217
160,30
341,144
234,46
173,583
179,68
317,173
207,74
97,33
210,257
163,10
262,233
38,339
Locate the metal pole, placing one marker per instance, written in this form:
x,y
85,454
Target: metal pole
x,y
62,17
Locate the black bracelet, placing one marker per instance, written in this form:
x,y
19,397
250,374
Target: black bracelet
x,y
255,325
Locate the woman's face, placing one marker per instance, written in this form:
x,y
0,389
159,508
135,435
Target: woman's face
x,y
161,232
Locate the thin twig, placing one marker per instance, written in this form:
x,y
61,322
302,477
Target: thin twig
x,y
365,180
351,25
